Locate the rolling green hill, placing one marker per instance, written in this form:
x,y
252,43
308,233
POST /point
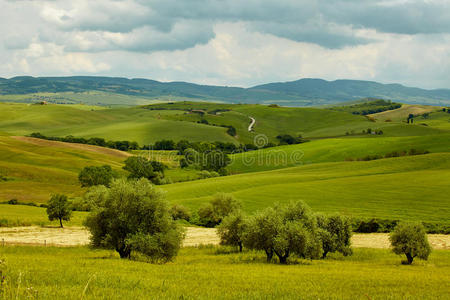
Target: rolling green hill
x,y
407,188
36,169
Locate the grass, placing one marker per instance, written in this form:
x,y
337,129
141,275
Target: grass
x,y
404,188
333,150
403,112
24,215
34,172
73,273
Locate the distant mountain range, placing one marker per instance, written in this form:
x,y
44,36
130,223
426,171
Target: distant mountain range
x,y
303,92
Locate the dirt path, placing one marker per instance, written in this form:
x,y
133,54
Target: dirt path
x,y
250,127
73,236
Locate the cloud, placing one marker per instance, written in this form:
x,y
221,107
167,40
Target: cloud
x,y
230,42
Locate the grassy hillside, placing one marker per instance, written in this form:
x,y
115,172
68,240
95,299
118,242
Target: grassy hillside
x,y
402,113
35,169
336,149
133,124
414,188
73,273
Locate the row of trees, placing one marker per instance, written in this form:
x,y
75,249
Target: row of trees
x,y
287,230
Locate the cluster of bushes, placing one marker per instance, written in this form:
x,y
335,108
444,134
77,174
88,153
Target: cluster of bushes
x,y
286,139
209,160
390,154
119,145
386,225
371,107
368,131
446,109
231,130
17,202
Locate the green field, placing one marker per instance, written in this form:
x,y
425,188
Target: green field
x,y
79,273
408,188
35,171
23,215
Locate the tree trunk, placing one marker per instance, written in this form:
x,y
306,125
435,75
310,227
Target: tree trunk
x,y
324,254
269,254
124,252
409,258
240,246
283,258
60,223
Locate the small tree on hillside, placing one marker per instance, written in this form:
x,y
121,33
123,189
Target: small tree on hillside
x,y
140,167
92,175
59,209
335,233
231,229
135,218
220,206
411,240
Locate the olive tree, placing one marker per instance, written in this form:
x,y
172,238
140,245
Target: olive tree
x,y
335,233
232,228
59,208
135,217
411,240
284,231
218,208
140,167
92,175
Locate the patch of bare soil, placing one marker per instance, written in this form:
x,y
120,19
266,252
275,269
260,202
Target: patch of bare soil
x,y
90,148
73,236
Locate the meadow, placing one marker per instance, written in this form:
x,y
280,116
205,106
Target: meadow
x,y
81,273
402,188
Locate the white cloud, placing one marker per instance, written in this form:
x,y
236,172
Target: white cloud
x,y
229,42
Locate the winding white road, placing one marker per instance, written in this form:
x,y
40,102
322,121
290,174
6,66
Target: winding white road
x,y
250,127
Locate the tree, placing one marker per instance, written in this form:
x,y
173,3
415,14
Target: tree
x,y
410,239
140,167
335,232
179,212
92,175
232,228
59,208
284,231
217,209
135,218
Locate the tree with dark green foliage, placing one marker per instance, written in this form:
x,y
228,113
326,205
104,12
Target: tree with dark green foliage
x,y
284,231
232,228
221,205
411,240
135,218
180,212
335,233
164,145
93,175
140,167
59,208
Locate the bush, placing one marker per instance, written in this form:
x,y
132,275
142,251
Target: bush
x,y
13,201
92,175
232,228
59,208
411,240
135,218
179,212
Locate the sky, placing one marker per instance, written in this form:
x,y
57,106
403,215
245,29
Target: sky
x,y
229,42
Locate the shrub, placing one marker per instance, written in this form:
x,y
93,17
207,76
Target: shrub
x,y
232,228
13,201
411,240
180,212
92,175
335,232
59,208
135,218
